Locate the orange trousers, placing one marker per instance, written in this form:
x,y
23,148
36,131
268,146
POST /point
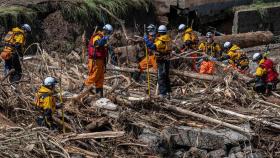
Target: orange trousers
x,y
207,67
152,63
96,70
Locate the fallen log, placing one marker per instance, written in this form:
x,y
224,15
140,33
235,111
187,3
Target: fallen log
x,y
228,112
209,119
172,72
95,135
182,111
59,122
245,40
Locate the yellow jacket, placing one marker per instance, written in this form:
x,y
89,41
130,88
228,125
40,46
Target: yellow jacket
x,y
237,56
189,35
15,37
44,99
95,37
212,49
260,72
163,44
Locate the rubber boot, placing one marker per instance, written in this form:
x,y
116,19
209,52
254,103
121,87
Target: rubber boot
x,y
99,91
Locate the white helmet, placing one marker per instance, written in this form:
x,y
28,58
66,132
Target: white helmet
x,y
108,28
26,27
227,44
257,57
209,35
181,27
50,81
162,29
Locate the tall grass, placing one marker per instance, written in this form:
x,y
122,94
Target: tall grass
x,y
14,15
89,10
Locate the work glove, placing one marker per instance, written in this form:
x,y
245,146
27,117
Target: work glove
x,y
146,38
59,105
213,59
106,38
157,54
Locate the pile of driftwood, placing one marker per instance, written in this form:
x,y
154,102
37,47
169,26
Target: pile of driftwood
x,y
110,127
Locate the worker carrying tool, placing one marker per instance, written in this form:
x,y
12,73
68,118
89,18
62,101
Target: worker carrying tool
x,y
149,39
97,54
14,42
266,77
235,56
207,66
210,47
46,102
163,48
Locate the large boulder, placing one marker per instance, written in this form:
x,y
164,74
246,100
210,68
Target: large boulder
x,y
202,138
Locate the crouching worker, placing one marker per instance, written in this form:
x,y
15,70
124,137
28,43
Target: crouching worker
x,y
236,57
207,66
97,54
266,77
45,102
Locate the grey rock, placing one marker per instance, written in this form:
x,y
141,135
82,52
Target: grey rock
x,y
151,138
255,155
239,155
232,137
178,154
196,153
235,150
216,154
188,136
232,155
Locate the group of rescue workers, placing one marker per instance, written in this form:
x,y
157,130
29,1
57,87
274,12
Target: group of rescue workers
x,y
159,46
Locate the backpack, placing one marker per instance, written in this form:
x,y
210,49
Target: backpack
x,y
8,38
194,37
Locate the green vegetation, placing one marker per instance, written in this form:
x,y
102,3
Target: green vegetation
x,y
86,12
89,9
257,5
12,15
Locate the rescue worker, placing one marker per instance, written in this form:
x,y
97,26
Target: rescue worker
x,y
235,56
210,47
163,48
97,54
189,37
45,102
190,40
149,42
266,77
14,42
207,66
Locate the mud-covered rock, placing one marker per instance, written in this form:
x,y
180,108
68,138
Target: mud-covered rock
x,y
216,154
188,136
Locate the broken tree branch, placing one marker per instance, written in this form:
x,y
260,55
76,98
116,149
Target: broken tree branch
x,y
95,135
172,72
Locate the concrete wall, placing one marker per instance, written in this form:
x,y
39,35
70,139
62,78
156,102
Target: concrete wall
x,y
207,10
257,20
